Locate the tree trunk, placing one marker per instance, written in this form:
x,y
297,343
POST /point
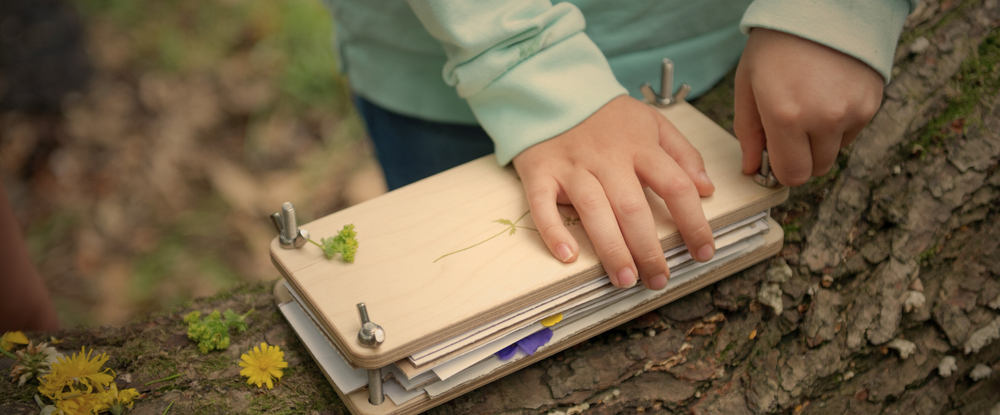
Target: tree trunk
x,y
909,214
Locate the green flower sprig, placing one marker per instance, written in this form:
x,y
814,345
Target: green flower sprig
x,y
345,244
510,227
212,331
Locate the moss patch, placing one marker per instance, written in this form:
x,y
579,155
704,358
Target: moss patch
x,y
155,347
978,78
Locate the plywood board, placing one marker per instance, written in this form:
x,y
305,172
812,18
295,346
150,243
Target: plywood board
x,y
420,302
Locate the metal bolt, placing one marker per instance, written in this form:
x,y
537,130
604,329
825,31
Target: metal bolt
x,y
765,177
289,227
371,334
375,395
289,234
663,98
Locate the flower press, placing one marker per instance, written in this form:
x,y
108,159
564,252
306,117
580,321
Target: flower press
x,y
451,286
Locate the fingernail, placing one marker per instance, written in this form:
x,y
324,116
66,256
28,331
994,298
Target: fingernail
x,y
706,252
658,282
706,179
565,254
626,278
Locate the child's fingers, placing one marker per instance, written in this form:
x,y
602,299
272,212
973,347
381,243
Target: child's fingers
x,y
688,157
542,202
598,218
637,227
851,134
747,123
825,148
788,148
667,179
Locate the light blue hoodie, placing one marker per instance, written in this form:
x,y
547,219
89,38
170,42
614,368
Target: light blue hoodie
x,y
528,70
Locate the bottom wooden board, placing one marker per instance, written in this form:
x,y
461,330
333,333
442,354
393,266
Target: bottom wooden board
x,y
357,401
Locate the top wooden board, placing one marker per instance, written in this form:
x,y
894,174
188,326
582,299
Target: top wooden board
x,y
419,302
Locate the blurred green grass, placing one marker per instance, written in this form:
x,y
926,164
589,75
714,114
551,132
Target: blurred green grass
x,y
293,38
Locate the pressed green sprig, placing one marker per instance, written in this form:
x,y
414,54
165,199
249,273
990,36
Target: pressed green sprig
x,y
509,227
212,331
345,244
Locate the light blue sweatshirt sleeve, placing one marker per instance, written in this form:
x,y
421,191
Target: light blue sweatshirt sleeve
x,y
865,29
525,67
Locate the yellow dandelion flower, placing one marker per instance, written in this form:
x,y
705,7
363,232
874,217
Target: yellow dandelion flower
x,y
117,400
86,404
263,365
77,375
11,338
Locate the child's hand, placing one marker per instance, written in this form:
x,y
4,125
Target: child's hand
x,y
601,167
805,100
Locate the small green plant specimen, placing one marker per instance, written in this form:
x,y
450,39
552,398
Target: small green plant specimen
x,y
509,226
212,332
345,244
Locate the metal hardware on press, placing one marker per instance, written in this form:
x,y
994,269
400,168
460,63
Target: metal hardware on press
x,y
289,234
663,98
765,177
371,335
375,394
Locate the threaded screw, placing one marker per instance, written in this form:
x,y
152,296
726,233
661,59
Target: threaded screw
x,y
375,395
289,230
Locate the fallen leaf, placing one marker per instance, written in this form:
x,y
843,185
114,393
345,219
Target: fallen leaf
x,y
702,329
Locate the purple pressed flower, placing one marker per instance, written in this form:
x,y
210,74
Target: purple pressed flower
x,y
507,352
528,345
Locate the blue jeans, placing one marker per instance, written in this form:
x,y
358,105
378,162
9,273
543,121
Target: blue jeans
x,y
410,149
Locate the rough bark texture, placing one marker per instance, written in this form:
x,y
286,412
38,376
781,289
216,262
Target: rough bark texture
x,y
910,213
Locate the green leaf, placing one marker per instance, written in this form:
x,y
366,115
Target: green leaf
x,y
504,222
